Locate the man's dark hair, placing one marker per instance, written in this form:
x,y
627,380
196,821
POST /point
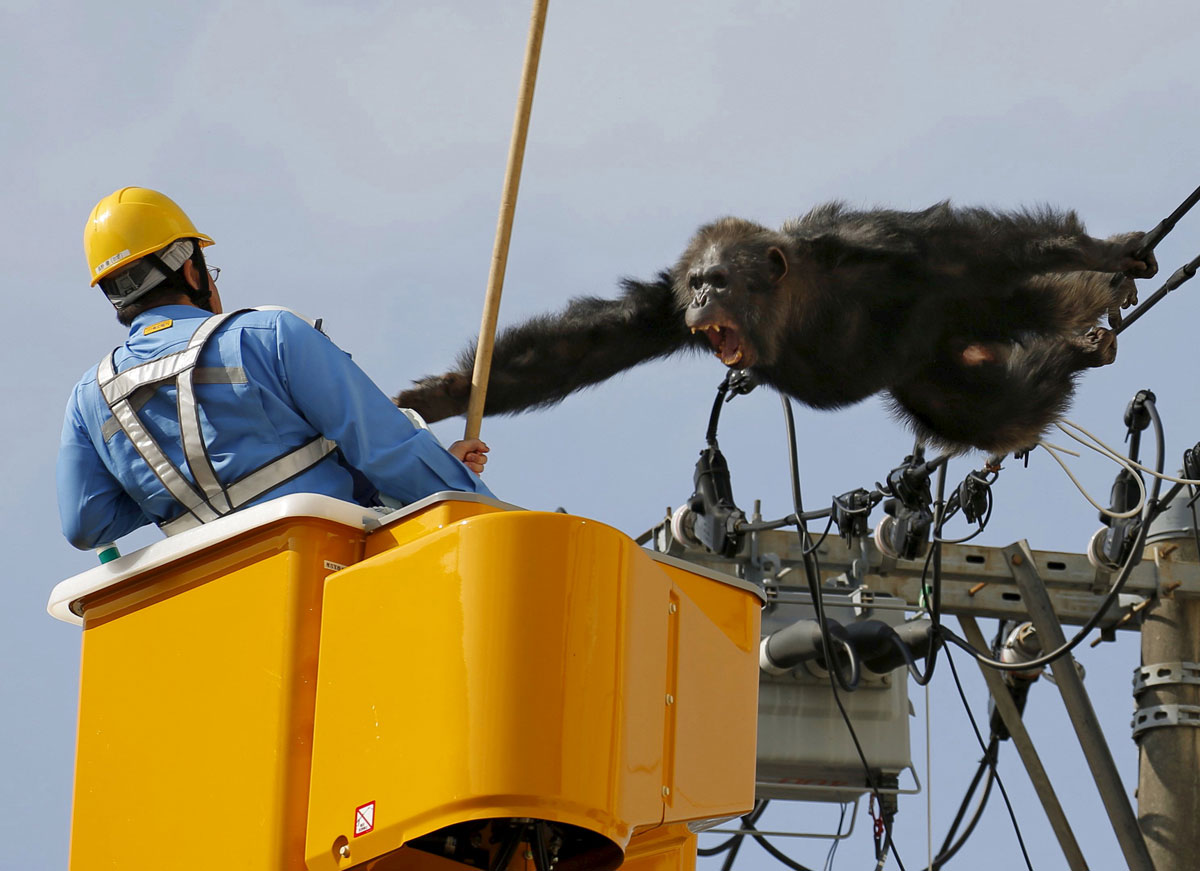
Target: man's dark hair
x,y
170,290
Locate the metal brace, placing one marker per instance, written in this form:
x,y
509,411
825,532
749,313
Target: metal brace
x,y
1160,673
1164,715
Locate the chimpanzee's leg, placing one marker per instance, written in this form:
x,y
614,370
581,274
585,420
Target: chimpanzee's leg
x,y
1000,398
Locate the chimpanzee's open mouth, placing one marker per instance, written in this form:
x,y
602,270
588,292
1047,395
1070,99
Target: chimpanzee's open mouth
x,y
727,344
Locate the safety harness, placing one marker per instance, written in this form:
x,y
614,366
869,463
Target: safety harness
x,y
207,498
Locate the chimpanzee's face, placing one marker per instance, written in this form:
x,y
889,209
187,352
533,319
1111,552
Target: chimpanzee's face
x,y
728,285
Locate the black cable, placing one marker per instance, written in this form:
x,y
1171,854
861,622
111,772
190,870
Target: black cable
x,y
508,848
718,849
820,541
710,435
950,846
1152,510
728,843
748,820
979,737
891,843
949,853
778,855
774,851
541,857
935,596
812,569
1162,228
983,768
790,520
1179,276
733,851
982,524
910,661
1167,224
987,763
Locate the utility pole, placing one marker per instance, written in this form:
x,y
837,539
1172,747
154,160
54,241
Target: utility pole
x,y
1167,694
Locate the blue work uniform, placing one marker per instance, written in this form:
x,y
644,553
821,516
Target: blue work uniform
x,y
266,383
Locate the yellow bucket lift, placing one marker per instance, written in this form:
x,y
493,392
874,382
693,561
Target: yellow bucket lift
x,y
309,685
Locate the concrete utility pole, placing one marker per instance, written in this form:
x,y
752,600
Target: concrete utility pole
x,y
1167,693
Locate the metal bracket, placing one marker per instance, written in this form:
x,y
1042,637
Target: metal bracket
x,y
1083,716
1161,673
1164,715
742,830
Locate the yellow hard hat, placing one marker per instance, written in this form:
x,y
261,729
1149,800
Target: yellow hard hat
x,y
131,223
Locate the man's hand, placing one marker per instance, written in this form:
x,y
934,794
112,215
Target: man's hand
x,y
472,453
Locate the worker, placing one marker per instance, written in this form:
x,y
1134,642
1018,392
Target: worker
x,y
201,413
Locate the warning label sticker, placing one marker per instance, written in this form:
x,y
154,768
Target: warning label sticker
x,y
364,818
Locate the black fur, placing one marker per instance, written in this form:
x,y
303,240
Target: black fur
x,y
975,322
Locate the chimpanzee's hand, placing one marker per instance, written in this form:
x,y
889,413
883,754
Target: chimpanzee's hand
x,y
1129,259
437,397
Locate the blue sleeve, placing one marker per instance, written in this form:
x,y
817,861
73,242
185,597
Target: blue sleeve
x,y
92,505
343,404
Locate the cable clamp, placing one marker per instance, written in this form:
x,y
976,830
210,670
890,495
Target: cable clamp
x,y
1165,673
1164,715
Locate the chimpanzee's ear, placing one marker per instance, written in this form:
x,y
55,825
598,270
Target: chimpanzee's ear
x,y
778,264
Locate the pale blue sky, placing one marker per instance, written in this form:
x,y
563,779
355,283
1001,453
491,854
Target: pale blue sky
x,y
348,157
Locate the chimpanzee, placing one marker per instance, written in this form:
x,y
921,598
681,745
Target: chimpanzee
x,y
975,322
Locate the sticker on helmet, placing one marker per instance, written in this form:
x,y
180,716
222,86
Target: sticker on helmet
x,y
116,258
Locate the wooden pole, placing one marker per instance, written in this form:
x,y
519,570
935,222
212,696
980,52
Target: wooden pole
x,y
508,205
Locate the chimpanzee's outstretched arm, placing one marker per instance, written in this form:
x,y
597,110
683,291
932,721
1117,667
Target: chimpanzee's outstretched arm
x,y
1044,240
539,362
959,241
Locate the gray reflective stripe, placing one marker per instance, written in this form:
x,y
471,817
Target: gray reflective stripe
x,y
148,450
120,386
200,375
277,472
111,427
219,375
262,481
191,434
181,523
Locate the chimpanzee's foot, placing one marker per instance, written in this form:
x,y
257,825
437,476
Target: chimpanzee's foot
x,y
1097,347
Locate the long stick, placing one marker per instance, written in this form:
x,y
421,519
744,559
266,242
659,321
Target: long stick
x,y
508,205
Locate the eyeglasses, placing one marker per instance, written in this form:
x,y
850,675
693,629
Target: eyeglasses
x,y
215,272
